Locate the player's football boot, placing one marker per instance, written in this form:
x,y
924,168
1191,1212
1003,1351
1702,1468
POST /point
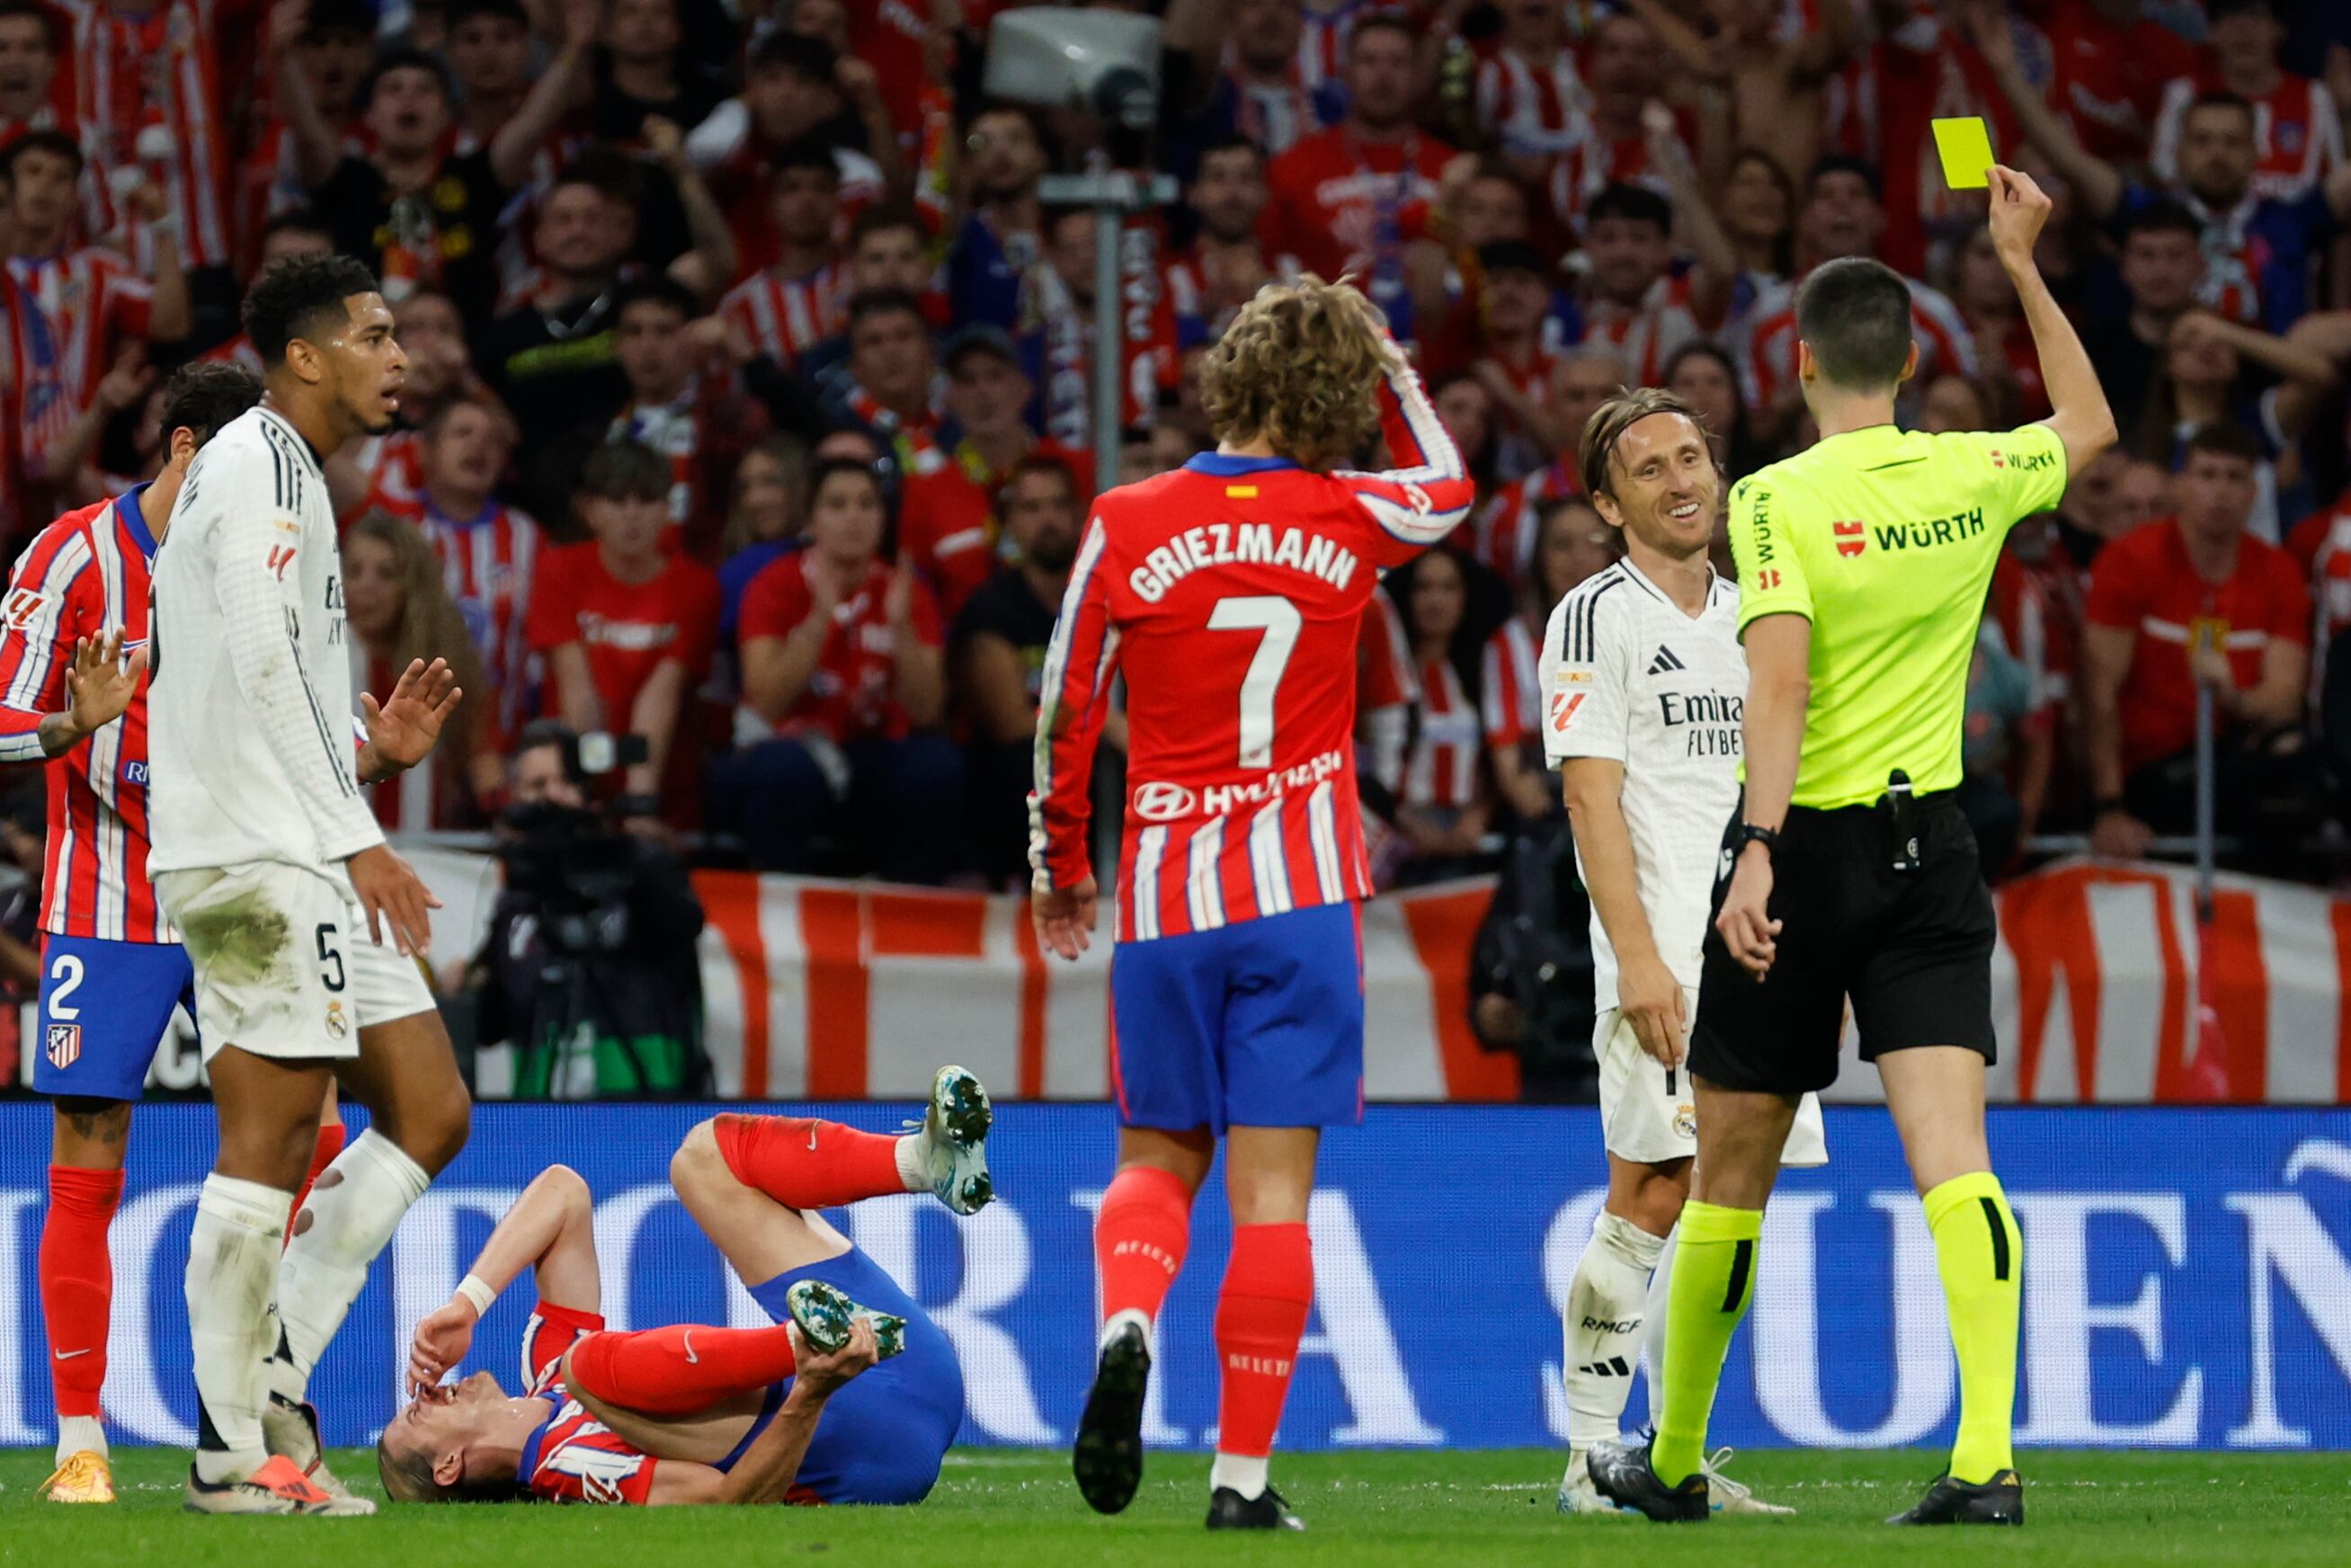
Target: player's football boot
x,y
1733,1497
955,1141
1576,1492
826,1318
278,1487
1108,1455
84,1477
291,1427
2000,1500
1621,1473
1227,1510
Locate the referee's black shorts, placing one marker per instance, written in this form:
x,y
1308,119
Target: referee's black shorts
x,y
1911,948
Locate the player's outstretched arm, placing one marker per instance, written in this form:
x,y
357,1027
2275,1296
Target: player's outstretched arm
x,y
100,685
2082,418
768,1467
39,642
402,730
551,1228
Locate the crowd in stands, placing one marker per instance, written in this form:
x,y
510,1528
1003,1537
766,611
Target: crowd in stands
x,y
748,407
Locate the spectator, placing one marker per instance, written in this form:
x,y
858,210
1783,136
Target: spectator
x,y
1479,201
1502,536
92,297
1226,263
488,51
488,551
889,253
843,684
1147,454
2258,250
298,231
2188,602
1500,334
998,659
1446,804
2202,382
1625,69
1530,100
1348,200
795,303
2162,272
2002,720
684,402
1967,402
1466,411
1242,84
2146,492
2035,607
1704,375
2299,130
626,630
1059,316
763,520
32,97
420,214
1570,544
1844,214
1641,303
641,75
890,388
1002,234
399,612
949,522
1758,215
2003,344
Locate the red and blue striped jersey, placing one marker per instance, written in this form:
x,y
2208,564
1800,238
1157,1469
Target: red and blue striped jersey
x,y
573,1457
1232,591
82,576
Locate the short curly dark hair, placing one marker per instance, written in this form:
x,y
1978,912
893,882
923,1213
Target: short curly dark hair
x,y
294,297
203,395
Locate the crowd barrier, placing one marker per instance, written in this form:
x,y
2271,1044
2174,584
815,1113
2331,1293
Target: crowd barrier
x,y
2185,1277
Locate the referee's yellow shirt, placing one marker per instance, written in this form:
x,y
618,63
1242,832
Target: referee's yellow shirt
x,y
1886,540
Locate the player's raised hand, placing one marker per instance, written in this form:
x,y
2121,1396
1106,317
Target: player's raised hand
x,y
442,1338
2019,208
1065,917
393,895
820,1374
405,728
101,682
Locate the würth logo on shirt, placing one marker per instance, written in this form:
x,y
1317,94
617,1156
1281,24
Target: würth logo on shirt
x,y
1852,538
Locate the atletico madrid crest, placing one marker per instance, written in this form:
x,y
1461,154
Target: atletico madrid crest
x,y
63,1045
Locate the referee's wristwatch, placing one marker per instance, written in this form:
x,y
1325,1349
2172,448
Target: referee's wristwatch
x,y
1749,834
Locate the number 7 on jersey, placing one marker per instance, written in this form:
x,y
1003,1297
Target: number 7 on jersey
x,y
1278,619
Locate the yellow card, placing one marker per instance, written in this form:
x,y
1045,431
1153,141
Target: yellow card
x,y
1966,149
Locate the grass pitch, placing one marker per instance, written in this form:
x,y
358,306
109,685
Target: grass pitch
x,y
1019,1507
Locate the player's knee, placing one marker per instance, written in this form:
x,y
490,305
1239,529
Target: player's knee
x,y
432,1129
699,1165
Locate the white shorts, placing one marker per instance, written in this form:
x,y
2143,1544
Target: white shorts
x,y
1648,1113
284,966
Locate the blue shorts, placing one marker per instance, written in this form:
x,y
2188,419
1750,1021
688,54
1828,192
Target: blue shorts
x,y
883,1434
1258,1024
105,1007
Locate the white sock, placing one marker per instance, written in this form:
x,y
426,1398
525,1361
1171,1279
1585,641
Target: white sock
x,y
1118,1320
78,1432
231,1268
910,1164
1601,1326
1653,1343
354,1209
1245,1473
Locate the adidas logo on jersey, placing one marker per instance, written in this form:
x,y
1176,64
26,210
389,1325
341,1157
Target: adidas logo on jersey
x,y
1665,661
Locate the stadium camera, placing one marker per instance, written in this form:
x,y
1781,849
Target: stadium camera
x,y
1057,57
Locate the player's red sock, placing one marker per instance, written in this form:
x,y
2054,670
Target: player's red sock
x,y
322,1154
1260,1313
1140,1236
77,1283
677,1371
804,1162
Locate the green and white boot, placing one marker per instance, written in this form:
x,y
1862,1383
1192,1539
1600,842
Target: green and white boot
x,y
953,1141
826,1318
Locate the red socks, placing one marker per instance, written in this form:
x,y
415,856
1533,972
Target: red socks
x,y
803,1161
77,1283
678,1371
1140,1236
1260,1313
322,1154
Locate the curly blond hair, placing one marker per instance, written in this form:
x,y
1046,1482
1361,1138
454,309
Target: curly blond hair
x,y
1301,366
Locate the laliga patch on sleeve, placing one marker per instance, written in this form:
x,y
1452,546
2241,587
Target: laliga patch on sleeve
x,y
1965,146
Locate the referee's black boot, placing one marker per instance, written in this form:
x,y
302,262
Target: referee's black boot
x,y
2000,1500
1622,1473
1227,1510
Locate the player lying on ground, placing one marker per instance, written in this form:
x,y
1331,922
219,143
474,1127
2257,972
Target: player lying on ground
x,y
300,924
1231,592
694,1413
73,676
1643,680
1849,870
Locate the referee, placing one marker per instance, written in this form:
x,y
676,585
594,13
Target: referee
x,y
1849,871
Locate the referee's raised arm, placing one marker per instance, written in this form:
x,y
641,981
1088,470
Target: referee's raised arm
x,y
2080,415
